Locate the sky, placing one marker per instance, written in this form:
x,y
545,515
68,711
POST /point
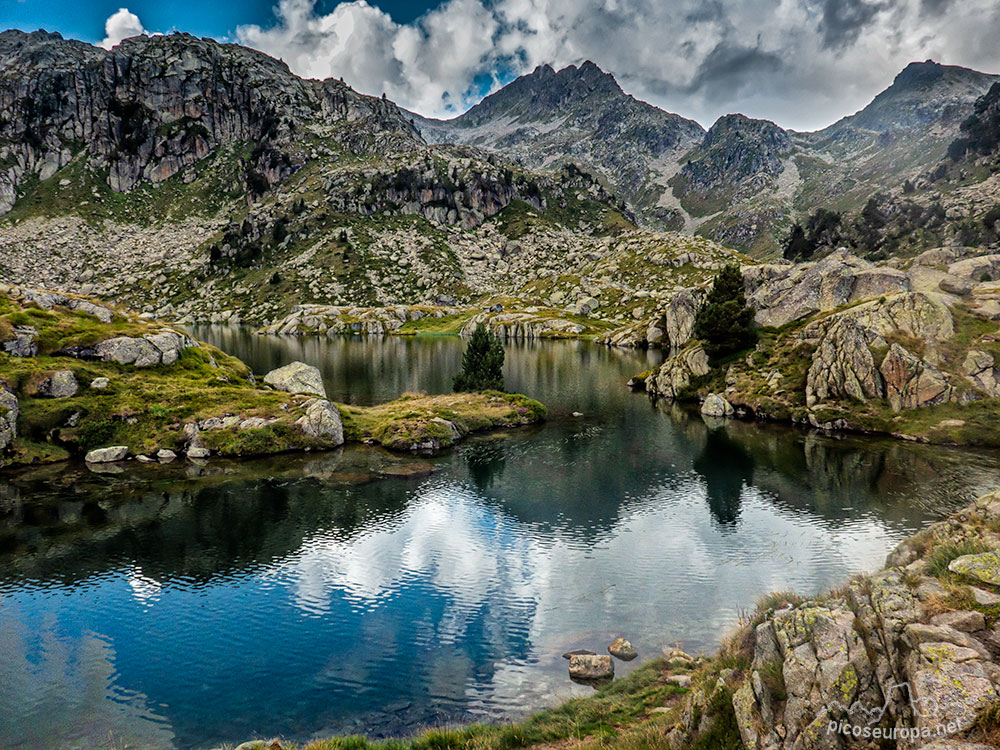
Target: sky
x,y
801,63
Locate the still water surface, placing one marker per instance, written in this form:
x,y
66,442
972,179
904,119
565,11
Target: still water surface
x,y
173,607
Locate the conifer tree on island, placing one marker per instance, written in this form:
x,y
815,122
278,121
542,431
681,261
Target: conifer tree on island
x,y
482,364
725,321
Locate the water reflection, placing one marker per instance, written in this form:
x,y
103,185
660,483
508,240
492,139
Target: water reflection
x,y
185,607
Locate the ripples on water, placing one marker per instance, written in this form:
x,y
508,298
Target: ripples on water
x,y
176,607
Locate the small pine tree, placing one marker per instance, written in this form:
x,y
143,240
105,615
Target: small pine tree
x,y
482,364
797,246
724,322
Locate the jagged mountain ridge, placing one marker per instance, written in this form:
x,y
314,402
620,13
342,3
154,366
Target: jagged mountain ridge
x,y
204,181
580,114
743,181
153,106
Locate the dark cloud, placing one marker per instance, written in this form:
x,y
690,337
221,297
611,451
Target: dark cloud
x,y
934,7
729,67
844,20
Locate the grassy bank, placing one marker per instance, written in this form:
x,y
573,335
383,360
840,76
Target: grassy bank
x,y
158,406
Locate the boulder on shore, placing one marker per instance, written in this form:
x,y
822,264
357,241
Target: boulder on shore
x,y
322,420
107,455
61,384
297,377
716,406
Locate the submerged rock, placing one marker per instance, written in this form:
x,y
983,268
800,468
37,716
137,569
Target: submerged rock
x,y
622,649
578,652
297,377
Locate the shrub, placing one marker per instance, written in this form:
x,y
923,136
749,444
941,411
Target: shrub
x,y
482,363
797,246
725,321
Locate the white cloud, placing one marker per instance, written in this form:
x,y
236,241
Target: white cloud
x,y
802,63
121,24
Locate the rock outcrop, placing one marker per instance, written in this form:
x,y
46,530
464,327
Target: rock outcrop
x,y
370,321
674,375
524,325
9,410
782,293
297,377
881,654
893,658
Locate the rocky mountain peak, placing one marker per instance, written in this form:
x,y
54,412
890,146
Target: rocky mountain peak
x,y
922,93
544,92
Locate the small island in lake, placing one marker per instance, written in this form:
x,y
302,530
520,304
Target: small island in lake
x,y
79,378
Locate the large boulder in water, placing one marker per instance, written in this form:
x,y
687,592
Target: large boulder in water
x,y
107,455
298,377
589,668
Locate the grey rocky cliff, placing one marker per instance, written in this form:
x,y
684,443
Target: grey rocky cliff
x,y
153,106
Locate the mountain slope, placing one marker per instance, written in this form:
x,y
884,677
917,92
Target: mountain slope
x,y
580,114
744,182
204,181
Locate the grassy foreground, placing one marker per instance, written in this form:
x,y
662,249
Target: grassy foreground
x,y
633,713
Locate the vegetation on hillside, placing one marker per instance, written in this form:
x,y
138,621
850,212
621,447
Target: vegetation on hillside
x,y
724,322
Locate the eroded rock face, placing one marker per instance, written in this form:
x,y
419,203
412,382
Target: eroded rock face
x,y
843,364
782,293
979,369
153,106
676,373
911,383
678,318
322,420
297,377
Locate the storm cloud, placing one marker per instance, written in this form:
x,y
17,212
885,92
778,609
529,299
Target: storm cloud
x,y
801,63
